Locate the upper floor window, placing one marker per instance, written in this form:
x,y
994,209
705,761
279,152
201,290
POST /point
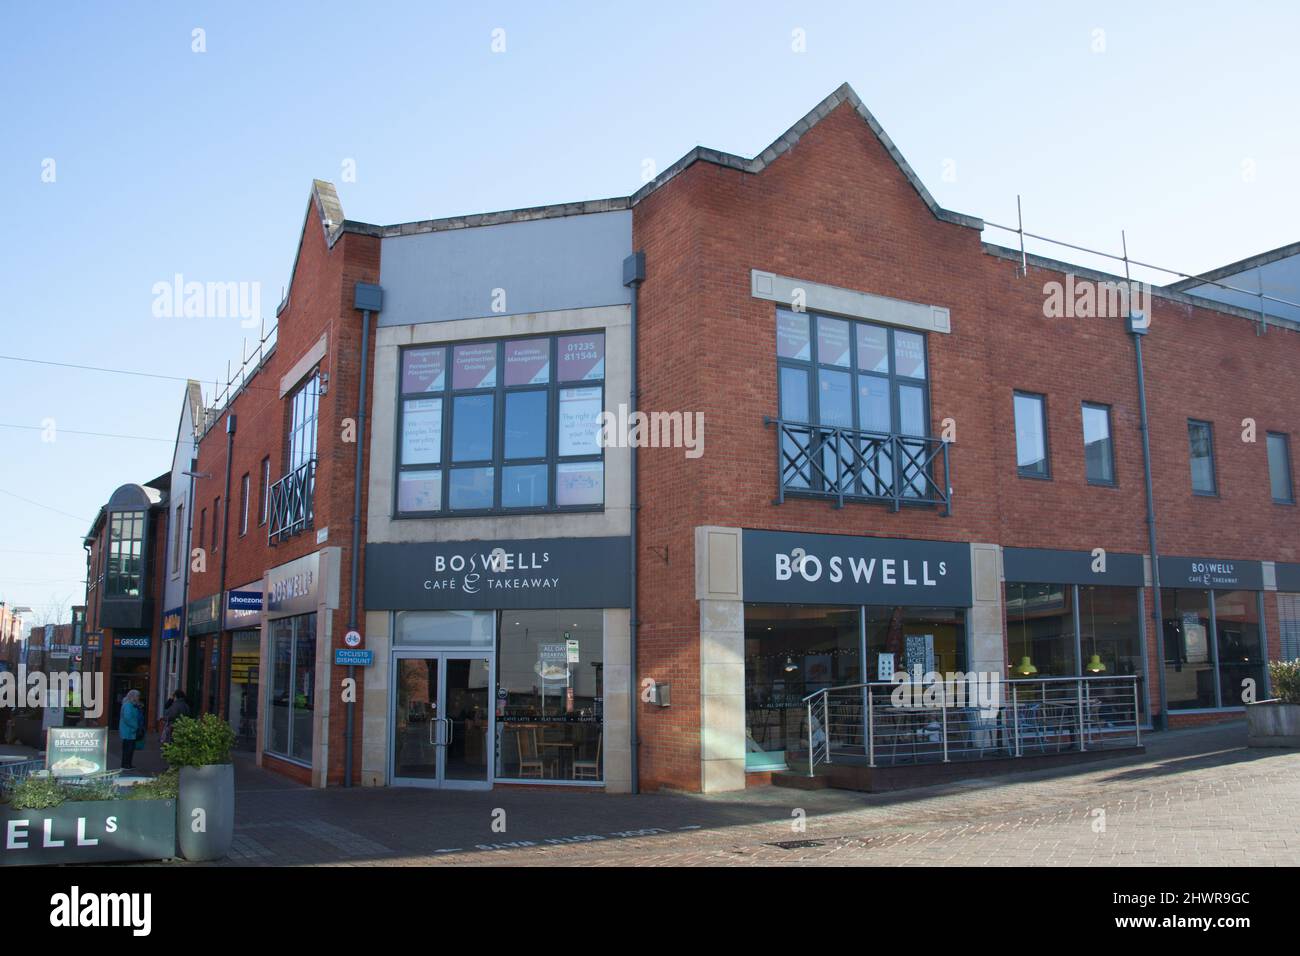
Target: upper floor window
x,y
1098,447
1031,435
846,374
1200,439
304,407
125,554
216,523
203,525
264,495
178,538
507,425
243,504
1279,468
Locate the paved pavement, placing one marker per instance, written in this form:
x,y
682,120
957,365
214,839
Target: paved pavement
x,y
1197,797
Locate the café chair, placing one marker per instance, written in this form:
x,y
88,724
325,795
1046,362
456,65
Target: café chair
x,y
589,769
530,758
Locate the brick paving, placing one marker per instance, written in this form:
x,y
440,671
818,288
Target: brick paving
x,y
1197,797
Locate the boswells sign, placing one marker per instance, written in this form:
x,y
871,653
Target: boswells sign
x,y
786,567
1211,573
492,574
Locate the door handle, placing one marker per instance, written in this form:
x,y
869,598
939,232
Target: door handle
x,y
433,722
451,730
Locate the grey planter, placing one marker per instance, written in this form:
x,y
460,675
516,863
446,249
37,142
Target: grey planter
x,y
210,789
1272,723
89,831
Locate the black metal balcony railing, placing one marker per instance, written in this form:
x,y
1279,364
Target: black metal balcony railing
x,y
291,502
845,464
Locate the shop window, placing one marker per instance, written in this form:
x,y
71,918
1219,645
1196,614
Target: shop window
x,y
1288,615
1098,447
1279,469
1239,647
291,694
929,638
790,652
510,425
1189,661
1110,634
1200,439
550,695
1031,436
445,628
1040,631
125,554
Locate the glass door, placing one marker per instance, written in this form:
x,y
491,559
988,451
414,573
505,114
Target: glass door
x,y
441,720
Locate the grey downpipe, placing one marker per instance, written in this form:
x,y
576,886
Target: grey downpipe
x,y
231,424
367,298
1138,330
633,276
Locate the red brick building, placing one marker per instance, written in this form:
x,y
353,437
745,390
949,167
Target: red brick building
x,y
272,516
821,283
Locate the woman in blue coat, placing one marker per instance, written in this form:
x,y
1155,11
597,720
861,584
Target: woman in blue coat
x,y
131,727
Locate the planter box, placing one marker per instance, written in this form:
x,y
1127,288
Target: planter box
x,y
1273,724
206,793
89,831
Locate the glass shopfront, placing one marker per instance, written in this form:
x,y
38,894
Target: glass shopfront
x,y
488,696
792,651
245,658
292,691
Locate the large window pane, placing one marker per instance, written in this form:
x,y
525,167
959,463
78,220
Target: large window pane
x,y
911,410
1098,451
419,491
873,348
1200,438
281,688
1031,436
1189,666
1241,654
1040,630
525,425
304,687
422,432
791,652
524,486
470,489
550,695
445,628
581,357
528,362
474,366
424,370
1110,627
873,404
1279,468
931,638
794,394
579,421
472,427
835,398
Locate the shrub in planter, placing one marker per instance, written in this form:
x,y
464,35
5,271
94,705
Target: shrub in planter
x,y
1276,723
205,807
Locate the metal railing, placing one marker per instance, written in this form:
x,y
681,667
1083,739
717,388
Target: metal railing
x,y
848,464
892,724
291,502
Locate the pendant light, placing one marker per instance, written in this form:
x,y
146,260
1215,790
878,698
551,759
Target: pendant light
x,y
1025,668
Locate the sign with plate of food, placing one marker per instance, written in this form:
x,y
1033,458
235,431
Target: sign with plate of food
x,y
552,662
76,751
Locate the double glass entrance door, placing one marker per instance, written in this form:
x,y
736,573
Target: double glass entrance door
x,y
442,720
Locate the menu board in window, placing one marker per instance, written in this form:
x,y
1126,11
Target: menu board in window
x,y
528,362
579,483
424,370
580,410
474,366
419,491
422,432
581,358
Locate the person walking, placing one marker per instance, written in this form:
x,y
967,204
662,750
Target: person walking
x,y
178,706
130,726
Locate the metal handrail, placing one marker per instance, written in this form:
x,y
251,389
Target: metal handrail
x,y
291,508
857,721
852,464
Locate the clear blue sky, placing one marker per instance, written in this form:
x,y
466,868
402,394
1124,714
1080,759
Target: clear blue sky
x,y
1182,130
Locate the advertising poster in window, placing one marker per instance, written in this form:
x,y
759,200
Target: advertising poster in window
x,y
792,336
581,357
419,491
474,366
580,421
1195,644
424,370
422,432
579,483
873,348
909,354
76,751
832,342
528,362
